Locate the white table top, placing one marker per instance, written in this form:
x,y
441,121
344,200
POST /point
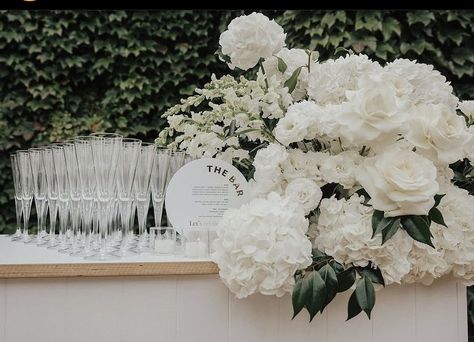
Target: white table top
x,y
17,253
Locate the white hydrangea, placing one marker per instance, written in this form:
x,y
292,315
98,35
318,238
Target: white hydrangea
x,y
344,231
261,245
329,81
249,38
429,86
268,176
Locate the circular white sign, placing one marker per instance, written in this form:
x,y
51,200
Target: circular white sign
x,y
201,191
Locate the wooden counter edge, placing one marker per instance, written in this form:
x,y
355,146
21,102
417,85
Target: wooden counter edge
x,y
107,269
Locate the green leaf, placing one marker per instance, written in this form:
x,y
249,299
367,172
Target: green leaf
x,y
437,199
390,231
418,228
281,65
374,274
298,297
346,279
436,216
317,294
365,295
330,280
291,82
379,222
353,308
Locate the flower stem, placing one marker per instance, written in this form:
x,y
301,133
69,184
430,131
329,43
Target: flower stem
x,y
263,71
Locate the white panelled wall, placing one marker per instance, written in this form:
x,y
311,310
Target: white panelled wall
x,y
200,309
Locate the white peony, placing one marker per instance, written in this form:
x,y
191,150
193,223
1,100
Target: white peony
x,y
249,38
467,107
344,231
438,133
399,182
305,192
261,245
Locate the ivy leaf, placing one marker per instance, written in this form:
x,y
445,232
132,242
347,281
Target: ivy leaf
x,y
436,216
390,231
317,294
281,65
353,308
374,274
437,199
418,228
291,82
346,279
365,295
330,280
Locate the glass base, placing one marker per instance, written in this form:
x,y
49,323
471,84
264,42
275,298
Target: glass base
x,y
102,256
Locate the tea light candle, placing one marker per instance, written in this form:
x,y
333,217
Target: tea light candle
x,y
165,246
195,249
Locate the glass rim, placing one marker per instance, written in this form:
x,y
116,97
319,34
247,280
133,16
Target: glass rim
x,y
130,140
106,135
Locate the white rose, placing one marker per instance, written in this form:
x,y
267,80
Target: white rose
x,y
249,38
372,114
438,133
305,192
467,107
399,182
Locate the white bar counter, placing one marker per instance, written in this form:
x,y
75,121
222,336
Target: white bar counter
x,y
189,306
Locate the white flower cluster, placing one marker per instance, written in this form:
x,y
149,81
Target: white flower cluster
x,y
261,245
344,231
339,125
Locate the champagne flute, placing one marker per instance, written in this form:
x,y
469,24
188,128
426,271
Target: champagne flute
x,y
27,189
18,201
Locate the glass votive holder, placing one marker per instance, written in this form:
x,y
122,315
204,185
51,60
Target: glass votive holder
x,y
164,240
196,243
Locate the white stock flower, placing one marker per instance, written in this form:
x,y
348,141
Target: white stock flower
x,y
344,231
399,182
303,165
305,192
467,107
438,133
261,245
249,38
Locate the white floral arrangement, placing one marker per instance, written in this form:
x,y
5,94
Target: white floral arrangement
x,y
360,172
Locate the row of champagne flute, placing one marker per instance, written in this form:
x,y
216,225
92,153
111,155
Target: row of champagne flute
x,y
96,184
